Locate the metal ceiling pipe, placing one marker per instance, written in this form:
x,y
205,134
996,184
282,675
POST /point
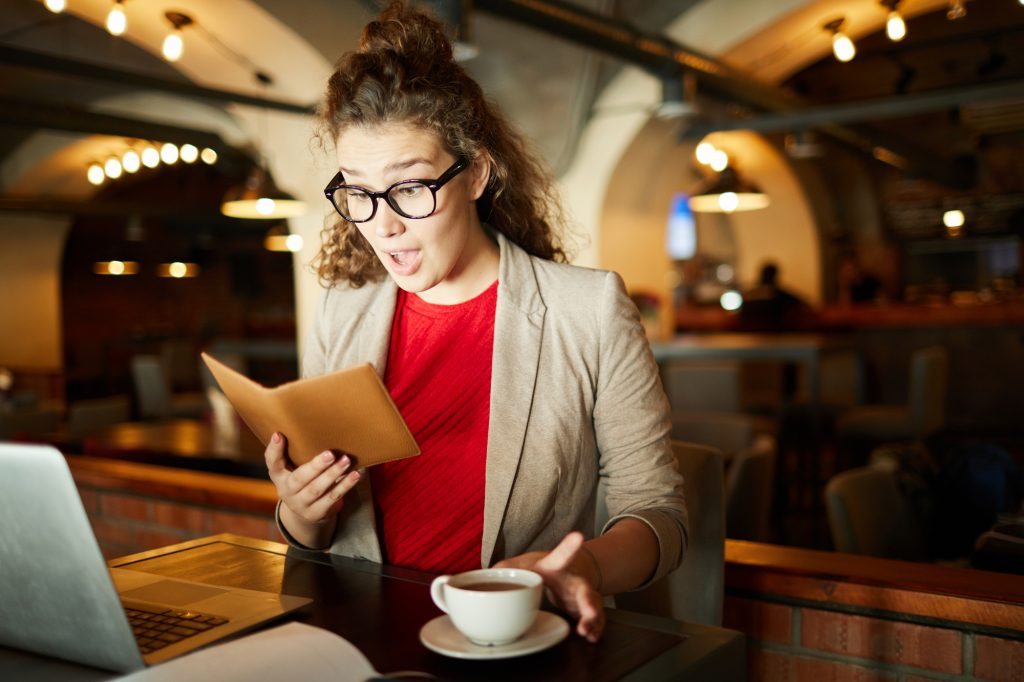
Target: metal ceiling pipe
x,y
660,55
865,110
30,59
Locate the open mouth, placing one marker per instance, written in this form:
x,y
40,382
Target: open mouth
x,y
404,262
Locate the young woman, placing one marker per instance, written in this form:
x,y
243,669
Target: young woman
x,y
524,380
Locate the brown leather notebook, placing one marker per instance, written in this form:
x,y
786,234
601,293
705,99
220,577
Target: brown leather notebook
x,y
347,411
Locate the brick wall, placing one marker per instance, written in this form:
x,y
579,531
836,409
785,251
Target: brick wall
x,y
136,507
823,628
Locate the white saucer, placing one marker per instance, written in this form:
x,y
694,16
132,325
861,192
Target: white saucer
x,y
441,636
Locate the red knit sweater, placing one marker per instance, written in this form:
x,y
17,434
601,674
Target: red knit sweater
x,y
430,508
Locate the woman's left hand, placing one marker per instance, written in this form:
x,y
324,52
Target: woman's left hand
x,y
563,570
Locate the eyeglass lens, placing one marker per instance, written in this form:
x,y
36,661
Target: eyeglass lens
x,y
412,199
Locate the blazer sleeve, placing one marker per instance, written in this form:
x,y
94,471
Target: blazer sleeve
x,y
632,428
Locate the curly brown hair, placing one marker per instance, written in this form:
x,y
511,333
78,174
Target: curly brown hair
x,y
404,72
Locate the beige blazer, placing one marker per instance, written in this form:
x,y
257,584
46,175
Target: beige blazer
x,y
575,394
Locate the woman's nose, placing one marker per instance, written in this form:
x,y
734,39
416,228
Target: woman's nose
x,y
387,222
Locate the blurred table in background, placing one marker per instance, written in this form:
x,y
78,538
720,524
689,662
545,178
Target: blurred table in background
x,y
183,443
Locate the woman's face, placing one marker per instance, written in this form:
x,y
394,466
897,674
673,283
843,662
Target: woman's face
x,y
445,257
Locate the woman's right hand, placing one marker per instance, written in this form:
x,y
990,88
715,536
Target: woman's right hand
x,y
313,492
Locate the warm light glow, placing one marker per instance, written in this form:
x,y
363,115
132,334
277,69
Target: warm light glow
x,y
178,270
731,300
704,152
173,47
265,206
954,231
842,47
150,157
209,156
954,218
277,240
168,153
189,153
254,210
895,27
719,160
55,6
721,203
117,22
130,161
112,168
95,174
116,267
956,10
728,201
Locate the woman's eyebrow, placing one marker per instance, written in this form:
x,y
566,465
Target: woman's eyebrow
x,y
391,167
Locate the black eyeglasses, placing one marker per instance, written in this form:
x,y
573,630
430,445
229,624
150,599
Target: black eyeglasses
x,y
408,198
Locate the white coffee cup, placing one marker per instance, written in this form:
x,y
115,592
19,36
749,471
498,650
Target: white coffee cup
x,y
490,606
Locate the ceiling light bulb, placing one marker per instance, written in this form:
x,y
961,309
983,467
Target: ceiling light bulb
x,y
189,153
731,300
168,153
842,47
209,156
117,22
115,267
704,152
895,27
953,219
173,46
95,174
719,160
112,168
265,206
177,269
55,6
150,157
294,243
130,161
728,201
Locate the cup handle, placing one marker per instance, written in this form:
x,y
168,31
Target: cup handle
x,y
437,591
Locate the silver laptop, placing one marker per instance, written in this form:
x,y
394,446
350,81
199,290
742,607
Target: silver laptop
x,y
58,598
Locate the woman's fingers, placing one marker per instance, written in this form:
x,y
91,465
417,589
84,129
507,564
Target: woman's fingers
x,y
325,480
306,473
561,556
276,457
334,497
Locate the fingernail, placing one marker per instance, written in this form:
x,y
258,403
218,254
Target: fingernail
x,y
327,456
355,476
344,459
276,437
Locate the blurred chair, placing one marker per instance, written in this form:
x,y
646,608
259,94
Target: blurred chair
x,y
702,386
694,591
153,392
868,515
749,453
89,416
924,412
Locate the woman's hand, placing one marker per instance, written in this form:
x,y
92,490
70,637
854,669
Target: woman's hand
x,y
312,493
563,570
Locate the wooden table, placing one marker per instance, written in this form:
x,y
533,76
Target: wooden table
x,y
807,349
185,443
381,610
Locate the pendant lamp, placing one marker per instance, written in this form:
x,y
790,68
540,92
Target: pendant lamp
x,y
728,193
258,198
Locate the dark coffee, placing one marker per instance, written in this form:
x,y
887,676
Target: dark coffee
x,y
493,587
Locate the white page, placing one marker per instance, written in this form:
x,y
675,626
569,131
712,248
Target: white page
x,y
294,652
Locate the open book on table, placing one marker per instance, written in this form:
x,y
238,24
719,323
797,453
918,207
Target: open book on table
x,y
348,411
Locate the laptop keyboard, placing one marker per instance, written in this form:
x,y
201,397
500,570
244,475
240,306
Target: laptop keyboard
x,y
155,629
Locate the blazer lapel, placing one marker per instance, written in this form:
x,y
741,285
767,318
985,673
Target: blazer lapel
x,y
518,327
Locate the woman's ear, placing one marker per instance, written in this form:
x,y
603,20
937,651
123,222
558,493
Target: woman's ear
x,y
480,175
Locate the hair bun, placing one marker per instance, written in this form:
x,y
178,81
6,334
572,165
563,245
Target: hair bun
x,y
412,34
